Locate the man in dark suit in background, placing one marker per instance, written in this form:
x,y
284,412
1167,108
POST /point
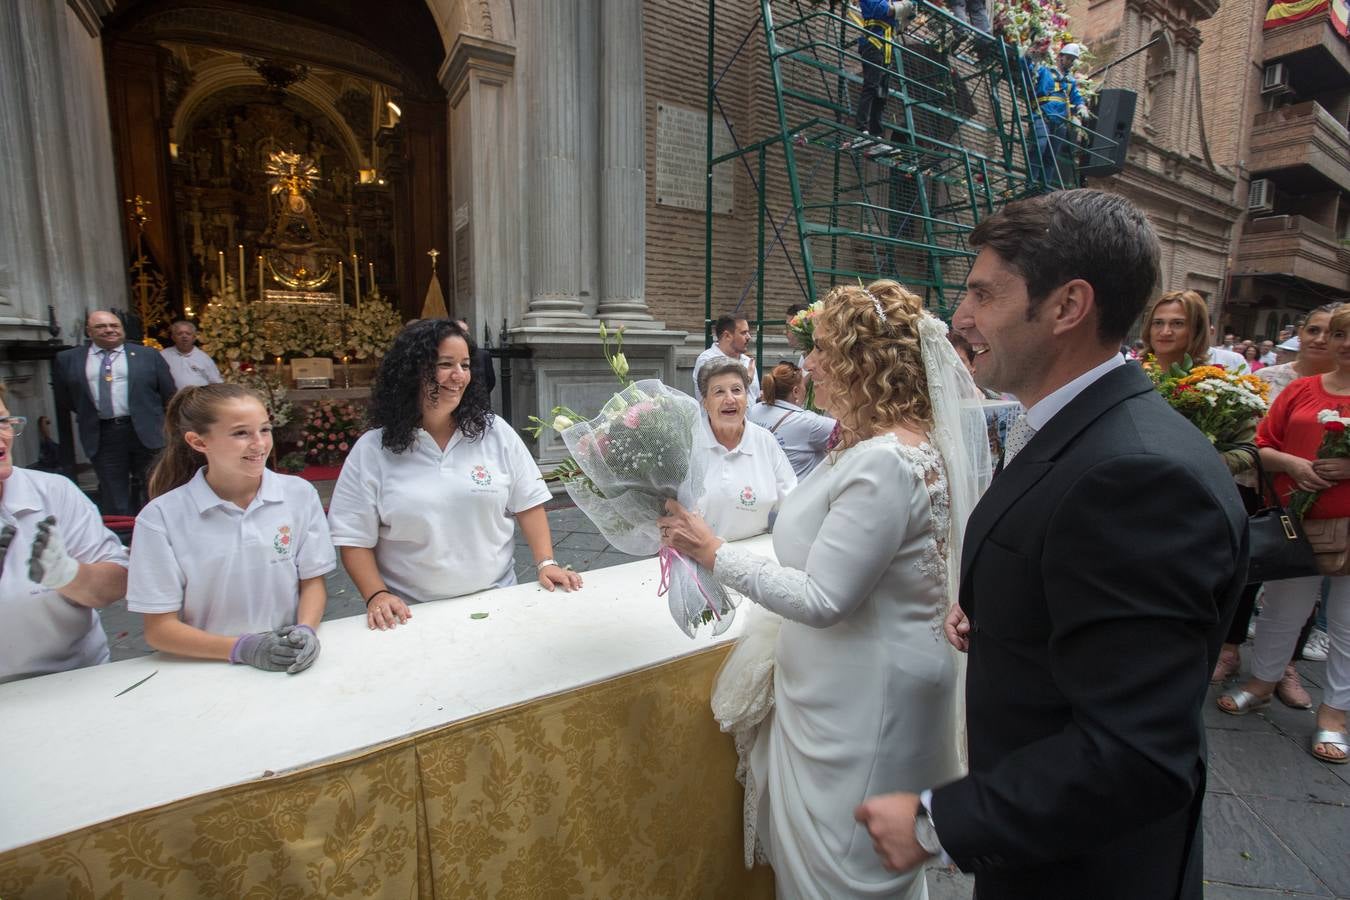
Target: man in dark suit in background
x,y
1098,576
118,392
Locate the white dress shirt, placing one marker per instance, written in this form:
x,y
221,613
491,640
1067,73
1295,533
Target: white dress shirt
x,y
191,369
440,521
742,487
715,352
93,374
40,630
231,571
1044,410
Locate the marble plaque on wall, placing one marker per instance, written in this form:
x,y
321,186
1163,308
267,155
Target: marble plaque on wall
x,y
681,159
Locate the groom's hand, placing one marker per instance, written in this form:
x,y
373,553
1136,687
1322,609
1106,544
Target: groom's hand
x,y
889,818
957,628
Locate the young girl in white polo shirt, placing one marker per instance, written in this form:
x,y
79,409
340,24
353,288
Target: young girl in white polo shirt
x,y
428,501
228,558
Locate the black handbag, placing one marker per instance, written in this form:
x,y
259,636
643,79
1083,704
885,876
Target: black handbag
x,y
1278,548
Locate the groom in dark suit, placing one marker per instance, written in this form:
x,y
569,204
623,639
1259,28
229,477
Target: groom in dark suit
x,y
1097,578
118,392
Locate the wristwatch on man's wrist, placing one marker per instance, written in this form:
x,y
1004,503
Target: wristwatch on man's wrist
x,y
925,832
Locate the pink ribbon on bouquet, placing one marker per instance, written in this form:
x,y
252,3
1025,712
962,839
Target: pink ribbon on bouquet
x,y
668,556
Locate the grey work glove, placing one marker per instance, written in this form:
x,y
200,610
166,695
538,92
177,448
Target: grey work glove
x,y
49,564
303,638
6,538
266,650
903,10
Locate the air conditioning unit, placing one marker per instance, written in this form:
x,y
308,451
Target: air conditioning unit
x,y
1275,79
1261,196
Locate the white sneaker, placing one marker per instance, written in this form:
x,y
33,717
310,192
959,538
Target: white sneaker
x,y
1316,646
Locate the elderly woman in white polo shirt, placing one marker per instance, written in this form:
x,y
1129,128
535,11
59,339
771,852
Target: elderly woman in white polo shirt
x,y
424,505
744,473
804,435
59,565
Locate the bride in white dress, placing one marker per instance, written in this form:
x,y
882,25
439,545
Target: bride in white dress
x,y
863,692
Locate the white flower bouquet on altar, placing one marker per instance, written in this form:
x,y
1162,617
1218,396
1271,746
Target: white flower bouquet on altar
x,y
629,460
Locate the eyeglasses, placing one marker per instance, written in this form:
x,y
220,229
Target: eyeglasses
x,y
13,425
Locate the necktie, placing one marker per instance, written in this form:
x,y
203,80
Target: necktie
x,y
105,404
1019,432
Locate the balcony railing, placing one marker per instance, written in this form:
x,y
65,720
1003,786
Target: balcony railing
x,y
1294,245
1304,145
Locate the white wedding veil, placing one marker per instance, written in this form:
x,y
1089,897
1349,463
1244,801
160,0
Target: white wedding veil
x,y
960,435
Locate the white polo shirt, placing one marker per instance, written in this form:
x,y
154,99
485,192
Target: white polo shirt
x,y
803,435
715,352
439,521
40,630
195,368
230,570
741,487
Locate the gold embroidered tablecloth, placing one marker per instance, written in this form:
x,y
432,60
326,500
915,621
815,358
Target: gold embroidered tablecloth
x,y
622,789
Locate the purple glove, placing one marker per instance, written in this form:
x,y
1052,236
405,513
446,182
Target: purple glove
x,y
303,638
266,650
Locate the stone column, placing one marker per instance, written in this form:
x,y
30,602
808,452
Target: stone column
x,y
554,172
623,180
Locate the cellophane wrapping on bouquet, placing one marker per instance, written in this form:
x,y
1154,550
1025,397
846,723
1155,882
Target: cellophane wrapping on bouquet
x,y
634,456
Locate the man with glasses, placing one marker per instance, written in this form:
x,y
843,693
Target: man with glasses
x,y
118,392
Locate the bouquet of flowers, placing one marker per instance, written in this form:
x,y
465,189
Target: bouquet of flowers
x,y
330,428
627,461
1225,406
372,327
803,326
1335,445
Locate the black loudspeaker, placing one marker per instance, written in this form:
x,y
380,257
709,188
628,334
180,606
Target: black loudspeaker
x,y
1115,119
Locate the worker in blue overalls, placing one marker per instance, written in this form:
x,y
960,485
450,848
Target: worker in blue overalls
x,y
1056,95
881,22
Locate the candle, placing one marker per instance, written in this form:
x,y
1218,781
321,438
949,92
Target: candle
x,y
260,276
356,279
221,256
371,282
242,280
279,375
342,288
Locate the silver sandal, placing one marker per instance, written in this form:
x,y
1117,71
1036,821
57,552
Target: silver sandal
x,y
1243,702
1338,739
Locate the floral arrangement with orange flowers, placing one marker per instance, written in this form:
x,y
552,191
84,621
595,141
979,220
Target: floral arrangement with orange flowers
x,y
330,428
1225,406
1335,445
803,326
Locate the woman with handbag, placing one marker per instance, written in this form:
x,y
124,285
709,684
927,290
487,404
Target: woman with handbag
x,y
1314,358
1288,439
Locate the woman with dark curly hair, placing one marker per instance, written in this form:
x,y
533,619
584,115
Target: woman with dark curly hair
x,y
422,510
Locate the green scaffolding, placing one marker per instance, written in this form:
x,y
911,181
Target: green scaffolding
x,y
956,144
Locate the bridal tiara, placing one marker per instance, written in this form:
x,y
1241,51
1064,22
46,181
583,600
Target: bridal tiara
x,y
876,304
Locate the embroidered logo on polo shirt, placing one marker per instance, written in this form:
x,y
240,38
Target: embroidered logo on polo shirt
x,y
282,542
480,476
747,497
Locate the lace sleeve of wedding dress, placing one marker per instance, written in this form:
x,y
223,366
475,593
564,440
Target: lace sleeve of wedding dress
x,y
875,485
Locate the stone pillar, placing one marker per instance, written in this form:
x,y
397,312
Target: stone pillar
x,y
554,171
623,180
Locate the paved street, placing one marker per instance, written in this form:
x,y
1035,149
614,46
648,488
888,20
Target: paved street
x,y
1277,822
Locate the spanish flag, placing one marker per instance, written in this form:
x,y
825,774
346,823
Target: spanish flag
x,y
1283,13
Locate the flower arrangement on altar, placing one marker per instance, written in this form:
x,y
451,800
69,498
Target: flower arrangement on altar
x,y
1225,406
372,327
330,427
268,386
233,330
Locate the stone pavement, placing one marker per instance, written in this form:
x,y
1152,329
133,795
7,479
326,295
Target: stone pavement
x,y
1277,821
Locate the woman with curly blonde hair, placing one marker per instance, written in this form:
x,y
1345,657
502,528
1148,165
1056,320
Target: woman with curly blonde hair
x,y
853,691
